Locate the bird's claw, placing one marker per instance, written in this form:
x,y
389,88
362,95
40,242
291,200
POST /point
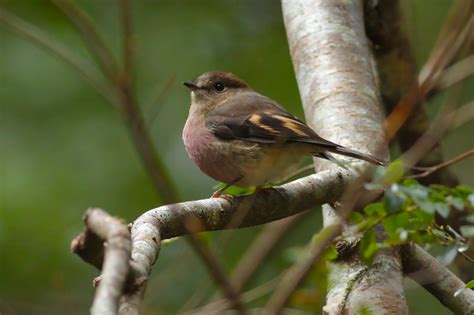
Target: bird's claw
x,y
219,194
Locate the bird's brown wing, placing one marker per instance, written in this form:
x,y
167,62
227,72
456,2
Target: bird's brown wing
x,y
256,118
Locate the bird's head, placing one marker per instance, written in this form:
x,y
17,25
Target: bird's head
x,y
213,88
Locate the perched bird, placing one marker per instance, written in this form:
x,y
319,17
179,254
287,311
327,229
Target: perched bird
x,y
240,137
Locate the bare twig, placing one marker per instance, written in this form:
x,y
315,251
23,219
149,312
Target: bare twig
x,y
298,272
255,255
86,70
219,306
162,182
462,115
127,43
228,290
94,42
450,43
461,70
437,279
397,71
428,170
157,99
432,135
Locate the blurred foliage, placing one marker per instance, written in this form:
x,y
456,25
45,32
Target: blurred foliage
x,y
407,213
64,148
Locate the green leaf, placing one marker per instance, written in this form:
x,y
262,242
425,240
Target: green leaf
x,y
419,195
455,233
470,284
457,202
234,190
376,209
448,256
368,247
394,172
356,217
393,202
442,209
394,223
469,218
364,310
440,233
467,230
470,199
464,190
330,253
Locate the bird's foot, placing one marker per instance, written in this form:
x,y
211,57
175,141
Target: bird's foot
x,y
220,194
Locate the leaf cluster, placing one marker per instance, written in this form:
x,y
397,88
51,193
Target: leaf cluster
x,y
409,212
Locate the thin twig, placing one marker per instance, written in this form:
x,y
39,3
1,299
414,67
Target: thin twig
x,y
260,249
462,115
428,170
450,43
36,36
461,70
127,42
157,99
298,272
437,129
94,42
219,306
219,276
256,253
162,181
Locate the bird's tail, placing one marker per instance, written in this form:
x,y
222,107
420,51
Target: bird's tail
x,y
352,153
361,156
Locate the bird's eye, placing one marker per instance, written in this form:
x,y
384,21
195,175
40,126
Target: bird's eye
x,y
219,87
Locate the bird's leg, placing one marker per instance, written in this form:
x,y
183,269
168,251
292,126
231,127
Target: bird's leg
x,y
219,193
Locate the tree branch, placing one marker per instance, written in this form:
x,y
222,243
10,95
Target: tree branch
x,y
437,279
335,74
115,267
425,171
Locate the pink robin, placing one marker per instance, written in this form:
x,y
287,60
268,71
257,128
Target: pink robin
x,y
240,137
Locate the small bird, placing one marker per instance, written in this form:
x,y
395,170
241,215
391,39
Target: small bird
x,y
240,137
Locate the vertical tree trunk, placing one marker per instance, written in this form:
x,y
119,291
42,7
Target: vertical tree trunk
x,y
338,85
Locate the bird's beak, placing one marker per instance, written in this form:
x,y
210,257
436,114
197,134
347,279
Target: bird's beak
x,y
191,86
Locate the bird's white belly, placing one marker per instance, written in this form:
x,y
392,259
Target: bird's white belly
x,y
271,165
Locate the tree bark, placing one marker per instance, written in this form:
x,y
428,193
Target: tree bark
x,y
338,85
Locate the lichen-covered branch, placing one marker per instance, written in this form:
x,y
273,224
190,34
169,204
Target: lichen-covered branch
x,y
209,214
104,228
216,213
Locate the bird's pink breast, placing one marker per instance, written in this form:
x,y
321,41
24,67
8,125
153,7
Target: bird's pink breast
x,y
203,148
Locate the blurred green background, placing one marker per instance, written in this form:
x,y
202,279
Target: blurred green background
x,y
64,148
